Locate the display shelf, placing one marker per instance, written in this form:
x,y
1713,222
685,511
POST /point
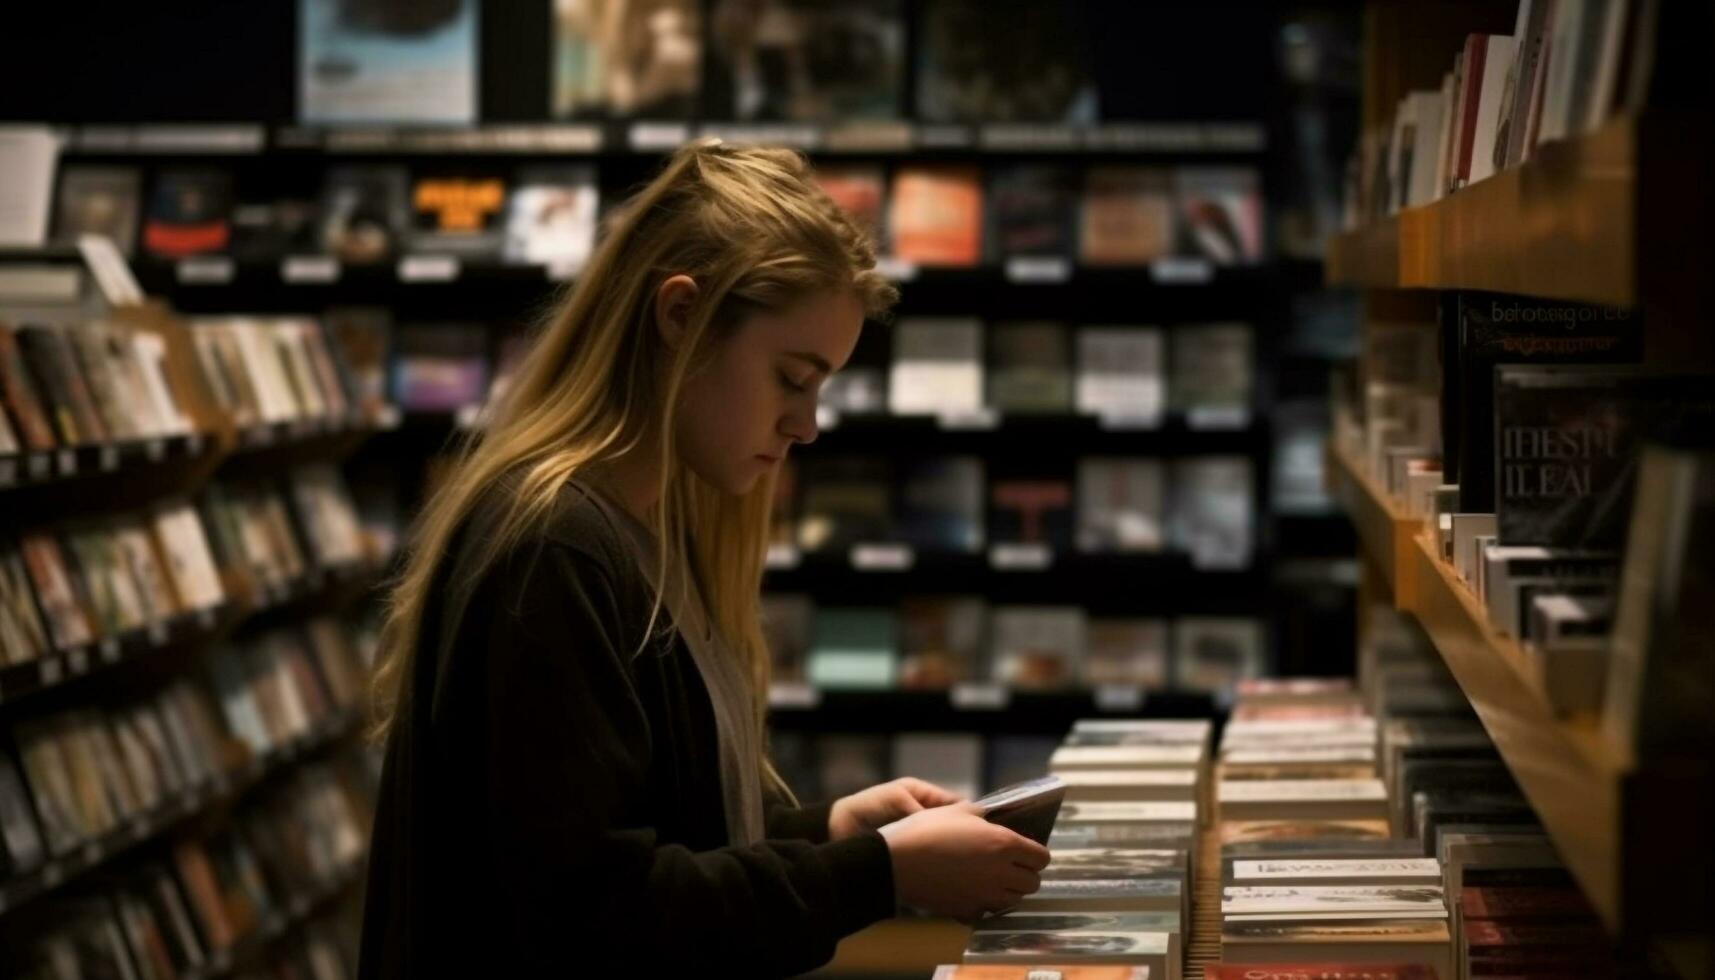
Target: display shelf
x,y
55,873
120,461
1562,225
991,434
1386,533
62,668
979,706
1573,781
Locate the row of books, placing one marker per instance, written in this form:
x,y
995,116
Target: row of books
x,y
1129,375
65,589
920,215
84,384
187,910
87,771
1568,67
266,371
1542,458
1202,506
935,642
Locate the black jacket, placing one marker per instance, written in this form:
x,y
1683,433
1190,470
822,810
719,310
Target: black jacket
x,y
550,801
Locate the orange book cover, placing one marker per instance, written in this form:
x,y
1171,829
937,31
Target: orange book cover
x,y
937,215
197,874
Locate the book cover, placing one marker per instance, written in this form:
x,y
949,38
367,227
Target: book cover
x,y
96,200
1213,374
1123,785
190,213
944,641
361,344
1059,947
642,60
1247,831
1122,374
1213,517
1115,862
1038,647
854,648
1488,330
1082,921
23,636
1030,212
1027,808
1030,66
937,366
188,558
58,375
1111,894
21,398
365,213
935,215
1172,811
1073,758
1126,216
1120,505
1178,835
440,367
970,971
459,214
1319,971
844,501
942,504
373,62
1220,214
68,620
551,218
860,192
1030,369
1128,651
1031,512
266,231
1213,653
801,61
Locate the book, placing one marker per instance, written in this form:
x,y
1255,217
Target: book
x,y
1220,214
1098,811
190,213
805,62
381,63
1121,375
1031,512
69,624
1212,376
28,155
1308,901
1004,972
20,397
1248,831
1016,759
786,629
98,200
844,501
460,213
642,61
1287,970
21,845
850,763
1213,516
1078,758
186,551
1121,506
23,636
1214,653
440,367
935,215
944,641
942,505
1364,871
58,375
1126,652
1029,66
1038,647
1302,799
1144,948
1030,368
860,192
1126,216
1030,207
853,648
1028,808
360,339
1123,785
1107,895
551,218
1495,54
1421,942
1116,862
1177,835
937,366
365,213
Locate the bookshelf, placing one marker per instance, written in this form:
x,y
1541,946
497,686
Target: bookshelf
x,y
1386,533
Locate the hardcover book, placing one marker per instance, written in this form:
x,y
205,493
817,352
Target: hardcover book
x,y
1121,374
935,215
551,218
98,201
1028,808
1121,505
1126,216
458,214
190,213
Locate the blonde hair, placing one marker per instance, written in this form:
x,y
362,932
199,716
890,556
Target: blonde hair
x,y
754,231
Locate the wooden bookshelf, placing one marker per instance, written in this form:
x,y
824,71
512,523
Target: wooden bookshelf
x,y
1386,533
1562,225
1575,784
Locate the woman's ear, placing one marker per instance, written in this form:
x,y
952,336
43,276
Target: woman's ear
x,y
673,302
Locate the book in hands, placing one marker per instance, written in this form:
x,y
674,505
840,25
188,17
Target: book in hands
x,y
1028,808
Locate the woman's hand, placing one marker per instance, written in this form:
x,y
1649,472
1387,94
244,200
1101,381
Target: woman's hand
x,y
878,806
950,861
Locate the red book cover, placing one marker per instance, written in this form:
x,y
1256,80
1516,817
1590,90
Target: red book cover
x,y
1524,903
1476,53
1319,971
937,215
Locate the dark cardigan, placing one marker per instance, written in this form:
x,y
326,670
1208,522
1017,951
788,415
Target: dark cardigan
x,y
551,803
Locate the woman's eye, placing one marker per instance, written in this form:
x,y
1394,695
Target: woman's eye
x,y
786,380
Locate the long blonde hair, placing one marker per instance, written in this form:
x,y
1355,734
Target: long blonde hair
x,y
754,231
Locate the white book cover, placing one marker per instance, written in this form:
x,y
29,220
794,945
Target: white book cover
x,y
28,155
1498,60
1338,869
151,353
1238,899
1301,790
937,367
1250,756
1128,812
1131,777
1426,140
1562,54
1121,374
188,559
1068,757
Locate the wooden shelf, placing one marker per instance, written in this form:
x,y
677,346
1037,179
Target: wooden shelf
x,y
1563,225
898,948
1575,784
1385,531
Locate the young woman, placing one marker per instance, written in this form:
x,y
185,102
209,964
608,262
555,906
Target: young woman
x,y
572,689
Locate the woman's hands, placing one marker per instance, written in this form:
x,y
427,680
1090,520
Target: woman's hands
x,y
950,861
878,806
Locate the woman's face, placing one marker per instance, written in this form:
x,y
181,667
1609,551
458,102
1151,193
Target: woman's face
x,y
756,396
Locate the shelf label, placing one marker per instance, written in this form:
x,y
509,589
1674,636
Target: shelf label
x,y
67,460
783,556
77,660
884,557
308,269
1119,697
51,670
976,419
971,696
1181,271
205,270
108,458
793,694
896,269
1021,556
39,465
1206,417
110,650
1123,421
654,137
1038,269
428,268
